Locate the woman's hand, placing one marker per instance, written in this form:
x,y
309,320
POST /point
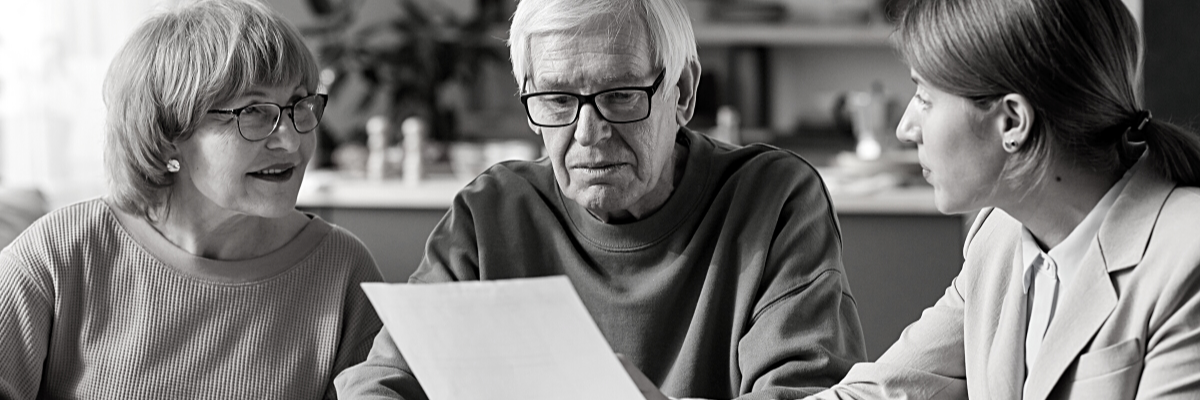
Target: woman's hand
x,y
649,391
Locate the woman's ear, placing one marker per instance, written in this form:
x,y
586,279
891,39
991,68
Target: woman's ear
x,y
1014,118
689,80
171,151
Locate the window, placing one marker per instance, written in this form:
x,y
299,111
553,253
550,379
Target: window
x,y
57,52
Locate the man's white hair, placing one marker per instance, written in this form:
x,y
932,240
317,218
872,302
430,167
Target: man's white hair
x,y
672,43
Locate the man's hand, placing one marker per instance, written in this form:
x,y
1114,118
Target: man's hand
x,y
649,391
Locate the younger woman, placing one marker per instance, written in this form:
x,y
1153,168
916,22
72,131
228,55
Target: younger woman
x,y
1082,272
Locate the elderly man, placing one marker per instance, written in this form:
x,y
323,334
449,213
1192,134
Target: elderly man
x,y
714,269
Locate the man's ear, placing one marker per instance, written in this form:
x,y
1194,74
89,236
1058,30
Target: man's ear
x,y
1013,119
689,80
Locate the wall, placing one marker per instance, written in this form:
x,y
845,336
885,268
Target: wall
x,y
1172,67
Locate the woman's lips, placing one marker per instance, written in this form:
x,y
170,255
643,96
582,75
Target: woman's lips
x,y
274,174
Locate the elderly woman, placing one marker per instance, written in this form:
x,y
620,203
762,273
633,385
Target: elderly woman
x,y
196,277
1082,272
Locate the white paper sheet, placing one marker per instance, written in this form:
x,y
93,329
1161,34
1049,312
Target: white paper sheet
x,y
527,339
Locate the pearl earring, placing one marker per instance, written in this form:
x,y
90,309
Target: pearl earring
x,y
172,165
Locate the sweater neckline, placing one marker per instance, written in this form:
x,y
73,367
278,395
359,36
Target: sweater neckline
x,y
646,232
223,272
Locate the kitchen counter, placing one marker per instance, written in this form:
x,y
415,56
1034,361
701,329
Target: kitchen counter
x,y
326,189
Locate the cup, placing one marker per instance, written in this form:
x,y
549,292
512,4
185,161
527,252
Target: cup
x,y
869,118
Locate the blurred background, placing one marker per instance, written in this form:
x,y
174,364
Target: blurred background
x,y
422,100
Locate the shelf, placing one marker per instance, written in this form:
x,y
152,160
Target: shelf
x,y
728,34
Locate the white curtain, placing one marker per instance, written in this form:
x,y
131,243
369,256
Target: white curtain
x,y
53,57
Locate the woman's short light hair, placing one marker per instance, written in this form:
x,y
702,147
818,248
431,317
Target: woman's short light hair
x,y
179,64
672,42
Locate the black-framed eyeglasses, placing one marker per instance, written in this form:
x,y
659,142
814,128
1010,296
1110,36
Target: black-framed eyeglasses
x,y
258,121
618,105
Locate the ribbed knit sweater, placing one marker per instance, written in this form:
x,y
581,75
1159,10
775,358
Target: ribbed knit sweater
x,y
733,289
96,304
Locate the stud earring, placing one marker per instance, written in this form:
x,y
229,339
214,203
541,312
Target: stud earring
x,y
172,165
1010,145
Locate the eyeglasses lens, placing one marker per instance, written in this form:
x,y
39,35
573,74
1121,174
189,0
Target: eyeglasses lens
x,y
258,121
624,105
553,109
307,113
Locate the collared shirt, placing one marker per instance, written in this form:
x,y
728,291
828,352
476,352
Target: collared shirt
x,y
1056,269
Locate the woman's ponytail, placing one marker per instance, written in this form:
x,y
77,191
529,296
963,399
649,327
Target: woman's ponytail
x,y
1174,151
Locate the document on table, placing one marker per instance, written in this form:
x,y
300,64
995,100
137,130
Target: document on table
x,y
528,339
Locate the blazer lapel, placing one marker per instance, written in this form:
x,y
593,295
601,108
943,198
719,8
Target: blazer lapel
x,y
1125,233
1090,299
1087,304
1006,358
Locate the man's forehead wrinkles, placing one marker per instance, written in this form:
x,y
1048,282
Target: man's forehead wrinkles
x,y
590,60
586,71
610,77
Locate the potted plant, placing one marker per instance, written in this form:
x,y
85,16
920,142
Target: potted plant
x,y
417,62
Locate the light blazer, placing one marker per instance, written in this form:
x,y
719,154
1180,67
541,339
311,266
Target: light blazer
x,y
1127,327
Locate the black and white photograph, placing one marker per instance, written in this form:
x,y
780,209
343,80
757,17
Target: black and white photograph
x,y
600,199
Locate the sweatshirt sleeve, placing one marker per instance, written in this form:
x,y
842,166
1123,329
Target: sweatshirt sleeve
x,y
385,374
27,309
804,333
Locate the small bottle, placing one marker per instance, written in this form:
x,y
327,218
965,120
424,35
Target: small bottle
x,y
728,123
869,117
414,130
377,143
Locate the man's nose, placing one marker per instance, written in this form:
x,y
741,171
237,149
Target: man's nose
x,y
591,128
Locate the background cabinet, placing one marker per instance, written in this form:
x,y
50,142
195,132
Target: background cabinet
x,y
898,264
